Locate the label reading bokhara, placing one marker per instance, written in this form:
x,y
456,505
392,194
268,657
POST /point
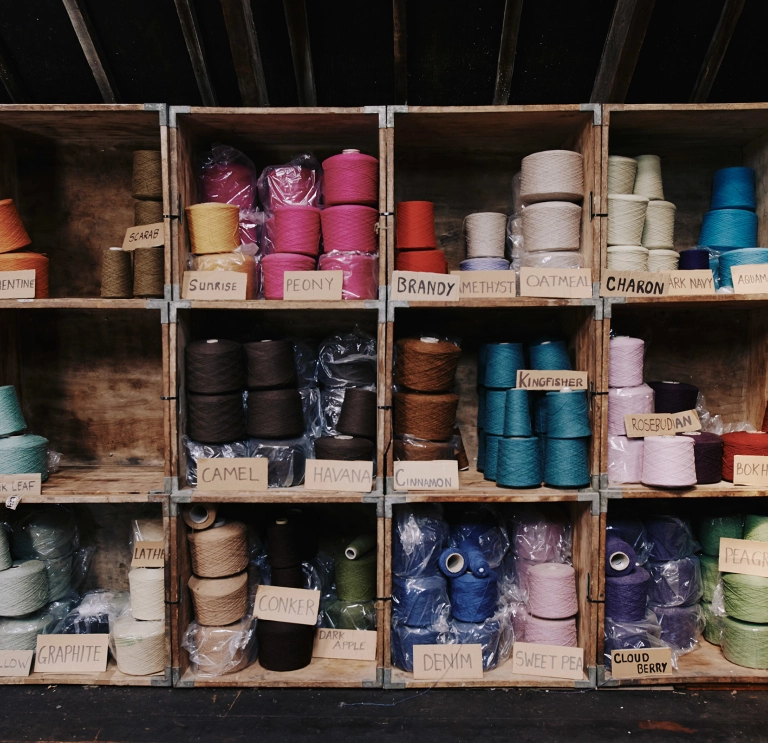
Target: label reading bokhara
x,y
486,284
144,236
750,470
148,555
441,474
743,556
568,283
349,644
413,286
548,660
249,474
750,279
551,380
71,653
333,474
635,664
653,284
16,662
639,425
18,485
294,605
313,285
214,285
17,284
444,662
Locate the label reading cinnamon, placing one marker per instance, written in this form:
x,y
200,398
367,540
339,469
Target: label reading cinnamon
x,y
750,470
447,662
346,644
640,425
332,474
144,236
441,474
71,653
19,485
563,283
415,286
486,284
751,279
239,474
148,555
313,285
552,661
551,380
743,556
211,285
16,662
293,605
643,663
17,284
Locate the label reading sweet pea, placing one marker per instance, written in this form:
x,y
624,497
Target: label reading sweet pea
x,y
17,284
640,425
346,644
486,284
16,662
446,662
313,285
415,286
750,470
636,664
441,474
750,279
743,556
293,605
551,380
567,283
19,485
331,474
207,285
548,660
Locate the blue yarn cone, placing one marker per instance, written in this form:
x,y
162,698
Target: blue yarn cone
x,y
473,598
517,414
491,456
539,412
495,402
481,399
548,354
480,449
727,229
504,359
733,188
567,464
745,257
519,464
482,361
567,414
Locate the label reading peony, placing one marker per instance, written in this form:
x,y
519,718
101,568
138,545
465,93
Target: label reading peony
x,y
640,425
148,555
346,644
486,284
415,286
441,474
743,556
293,605
446,662
548,660
212,285
551,380
750,279
313,285
246,474
567,283
20,485
17,284
636,664
16,662
71,653
144,236
750,470
331,474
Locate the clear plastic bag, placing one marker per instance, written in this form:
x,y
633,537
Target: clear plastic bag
x,y
91,616
239,262
217,651
563,259
419,536
305,357
540,537
681,626
632,531
421,601
21,633
287,459
196,450
714,613
227,176
251,228
348,360
54,460
621,635
361,272
671,537
675,582
625,459
487,634
49,532
359,615
313,412
147,530
484,529
298,182
403,639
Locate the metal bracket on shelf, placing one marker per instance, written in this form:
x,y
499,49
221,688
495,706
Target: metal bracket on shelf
x,y
377,304
173,111
591,681
182,496
613,493
180,304
380,111
161,108
603,481
597,112
600,307
391,111
608,303
393,305
591,496
159,304
388,680
167,679
378,683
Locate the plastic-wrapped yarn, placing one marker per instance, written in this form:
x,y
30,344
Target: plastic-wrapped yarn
x,y
552,591
626,596
361,272
420,534
560,632
59,575
287,459
620,558
237,262
713,528
624,401
217,651
713,624
746,597
632,531
228,177
745,644
710,575
46,533
21,634
681,626
23,588
541,538
360,615
622,635
473,598
403,639
676,582
139,646
670,537
487,634
420,601
625,459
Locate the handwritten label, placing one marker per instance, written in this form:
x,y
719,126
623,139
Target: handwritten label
x,y
690,283
639,425
548,660
551,380
313,285
71,653
247,474
18,485
750,470
16,662
294,605
486,284
633,284
415,286
743,556
17,284
349,644
148,555
568,283
332,474
444,662
144,236
207,285
751,279
635,664
441,474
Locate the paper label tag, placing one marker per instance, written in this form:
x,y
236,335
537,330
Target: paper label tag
x,y
486,284
12,503
441,474
750,470
640,425
332,474
71,653
690,283
16,662
148,555
207,285
743,556
751,279
637,664
238,474
568,283
294,605
144,236
19,485
633,284
17,284
313,285
551,380
349,644
548,660
446,662
415,286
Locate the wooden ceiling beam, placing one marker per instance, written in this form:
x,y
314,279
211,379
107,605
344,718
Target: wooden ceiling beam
x,y
301,51
244,45
400,31
509,34
194,42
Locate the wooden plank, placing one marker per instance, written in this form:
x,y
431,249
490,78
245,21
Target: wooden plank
x,y
622,48
301,51
194,42
509,33
400,39
244,45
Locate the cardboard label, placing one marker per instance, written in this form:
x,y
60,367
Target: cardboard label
x,y
17,284
568,283
18,485
16,662
148,555
690,283
633,284
247,474
313,285
641,425
144,236
638,664
333,474
441,474
743,556
415,286
552,661
71,653
348,644
750,279
444,662
294,605
214,285
750,470
551,380
486,284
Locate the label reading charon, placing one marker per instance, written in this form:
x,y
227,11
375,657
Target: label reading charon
x,y
446,662
643,663
233,474
750,470
313,285
743,556
440,474
293,605
556,283
486,284
528,379
17,284
211,285
640,425
657,283
332,474
415,286
71,653
144,236
548,660
346,644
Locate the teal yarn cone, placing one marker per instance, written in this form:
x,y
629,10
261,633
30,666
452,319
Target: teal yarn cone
x,y
504,359
539,411
567,463
517,414
481,399
519,464
567,414
480,449
24,455
549,354
543,450
495,404
711,528
733,188
491,456
482,360
756,528
743,257
11,418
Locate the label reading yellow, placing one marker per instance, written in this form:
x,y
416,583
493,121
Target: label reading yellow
x,y
16,662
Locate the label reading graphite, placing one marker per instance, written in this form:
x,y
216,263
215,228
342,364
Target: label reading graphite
x,y
690,283
16,662
640,425
313,285
148,555
246,474
144,236
206,285
750,470
415,286
347,644
17,284
552,661
293,605
446,662
441,474
750,279
486,284
18,485
551,380
568,283
332,474
71,653
743,556
637,664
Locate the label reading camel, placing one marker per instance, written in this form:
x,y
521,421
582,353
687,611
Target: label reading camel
x,y
144,236
332,474
347,644
743,556
207,285
293,605
247,474
17,284
16,662
568,283
640,425
486,284
446,662
750,470
148,555
415,286
636,664
19,485
548,660
441,474
71,653
313,285
750,279
551,380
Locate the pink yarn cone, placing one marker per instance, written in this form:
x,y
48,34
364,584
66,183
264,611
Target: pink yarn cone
x,y
351,178
297,230
560,632
350,227
668,462
229,183
625,459
626,362
361,273
275,265
625,400
552,591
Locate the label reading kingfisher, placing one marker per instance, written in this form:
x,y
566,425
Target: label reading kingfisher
x,y
528,379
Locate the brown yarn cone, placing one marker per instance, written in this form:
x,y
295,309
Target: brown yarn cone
x,y
425,366
422,451
220,551
219,601
116,274
430,417
147,175
213,227
148,272
147,212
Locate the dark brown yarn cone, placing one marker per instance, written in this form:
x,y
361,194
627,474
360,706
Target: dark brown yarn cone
x,y
116,274
284,543
424,366
460,451
275,414
306,525
215,419
343,448
148,272
270,365
358,413
292,577
147,175
429,417
147,212
422,451
214,366
284,646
